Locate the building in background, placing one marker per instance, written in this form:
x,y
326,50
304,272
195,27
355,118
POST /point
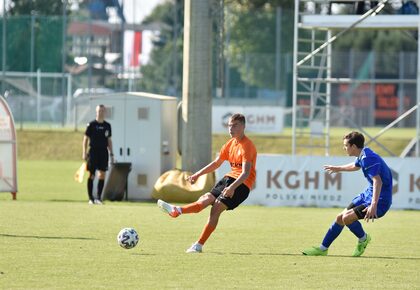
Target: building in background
x,y
111,41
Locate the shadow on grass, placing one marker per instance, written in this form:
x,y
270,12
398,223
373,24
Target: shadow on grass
x,y
377,257
153,202
329,256
67,200
46,237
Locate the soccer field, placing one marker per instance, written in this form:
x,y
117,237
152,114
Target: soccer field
x,y
71,245
50,238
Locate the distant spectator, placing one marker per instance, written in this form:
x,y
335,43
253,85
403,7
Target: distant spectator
x,y
361,6
409,7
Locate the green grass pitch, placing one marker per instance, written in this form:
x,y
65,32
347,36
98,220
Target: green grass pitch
x,y
50,238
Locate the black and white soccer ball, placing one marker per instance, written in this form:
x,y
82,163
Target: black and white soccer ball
x,y
128,238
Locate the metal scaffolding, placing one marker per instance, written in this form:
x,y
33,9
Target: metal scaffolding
x,y
313,37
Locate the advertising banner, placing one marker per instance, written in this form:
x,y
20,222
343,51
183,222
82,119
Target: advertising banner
x,y
301,181
258,119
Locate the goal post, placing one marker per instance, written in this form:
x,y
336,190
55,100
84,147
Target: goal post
x,y
8,171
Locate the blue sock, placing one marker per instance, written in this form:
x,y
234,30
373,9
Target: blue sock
x,y
357,229
333,232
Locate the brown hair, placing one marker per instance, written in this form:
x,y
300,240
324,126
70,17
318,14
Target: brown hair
x,y
355,138
238,117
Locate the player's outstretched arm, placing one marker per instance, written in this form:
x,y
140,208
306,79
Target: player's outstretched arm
x,y
212,166
337,168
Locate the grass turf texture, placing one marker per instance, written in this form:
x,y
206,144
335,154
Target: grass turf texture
x,y
66,145
50,238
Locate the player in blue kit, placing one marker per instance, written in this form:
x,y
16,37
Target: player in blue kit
x,y
371,204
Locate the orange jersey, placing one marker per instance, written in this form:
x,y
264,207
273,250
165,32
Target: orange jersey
x,y
238,152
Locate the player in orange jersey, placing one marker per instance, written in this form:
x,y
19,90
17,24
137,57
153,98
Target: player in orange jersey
x,y
231,190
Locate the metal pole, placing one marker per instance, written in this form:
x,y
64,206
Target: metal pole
x,y
75,115
32,40
90,54
372,119
278,48
68,99
328,98
295,67
21,114
392,124
220,63
418,94
38,96
4,56
122,51
401,87
63,63
226,83
246,75
372,12
174,51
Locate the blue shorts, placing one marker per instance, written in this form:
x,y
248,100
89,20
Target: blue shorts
x,y
381,210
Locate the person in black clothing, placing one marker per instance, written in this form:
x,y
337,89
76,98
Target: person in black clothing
x,y
98,135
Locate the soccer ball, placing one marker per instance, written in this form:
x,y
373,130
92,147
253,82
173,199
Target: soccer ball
x,y
128,238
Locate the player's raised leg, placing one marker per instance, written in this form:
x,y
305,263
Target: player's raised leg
x,y
173,211
195,207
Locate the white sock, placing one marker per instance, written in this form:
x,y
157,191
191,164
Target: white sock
x,y
322,247
362,239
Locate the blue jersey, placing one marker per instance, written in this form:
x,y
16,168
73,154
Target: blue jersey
x,y
372,164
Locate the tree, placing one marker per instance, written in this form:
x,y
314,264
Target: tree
x,y
44,7
47,33
252,38
250,29
386,44
157,74
259,4
162,75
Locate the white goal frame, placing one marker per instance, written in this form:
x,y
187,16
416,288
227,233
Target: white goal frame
x,y
8,150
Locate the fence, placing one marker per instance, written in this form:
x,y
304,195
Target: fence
x,y
254,68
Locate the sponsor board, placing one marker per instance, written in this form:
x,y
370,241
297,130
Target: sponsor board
x,y
258,119
284,180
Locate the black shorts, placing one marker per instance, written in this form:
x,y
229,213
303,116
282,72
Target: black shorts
x,y
97,160
241,193
358,210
